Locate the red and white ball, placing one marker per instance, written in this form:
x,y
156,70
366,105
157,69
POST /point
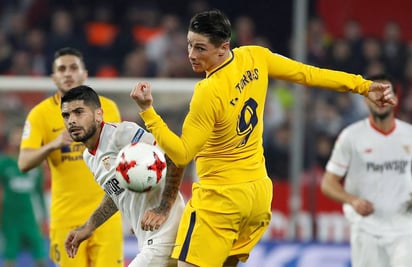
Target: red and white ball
x,y
140,167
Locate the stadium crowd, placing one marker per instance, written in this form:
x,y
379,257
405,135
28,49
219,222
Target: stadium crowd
x,y
140,39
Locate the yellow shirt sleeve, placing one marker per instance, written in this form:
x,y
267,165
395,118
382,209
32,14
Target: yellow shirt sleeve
x,y
294,71
111,112
180,149
209,129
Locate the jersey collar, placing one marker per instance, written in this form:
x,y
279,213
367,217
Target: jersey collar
x,y
57,98
375,127
226,62
93,151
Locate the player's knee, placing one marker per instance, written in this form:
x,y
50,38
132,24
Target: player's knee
x,y
231,261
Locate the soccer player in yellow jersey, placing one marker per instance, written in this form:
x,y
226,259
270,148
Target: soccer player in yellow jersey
x,y
74,193
230,207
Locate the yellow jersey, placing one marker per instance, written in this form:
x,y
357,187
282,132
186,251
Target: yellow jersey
x,y
224,126
74,192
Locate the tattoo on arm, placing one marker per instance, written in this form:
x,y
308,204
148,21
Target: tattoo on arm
x,y
106,209
174,177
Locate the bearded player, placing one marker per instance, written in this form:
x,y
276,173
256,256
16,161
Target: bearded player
x,y
372,158
155,230
74,194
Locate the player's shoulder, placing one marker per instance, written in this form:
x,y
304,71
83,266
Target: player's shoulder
x,y
44,106
357,125
354,129
126,132
403,125
255,51
111,110
245,48
126,126
107,102
127,129
52,100
117,128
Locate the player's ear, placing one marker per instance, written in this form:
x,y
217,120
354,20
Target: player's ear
x,y
224,47
99,115
53,77
85,75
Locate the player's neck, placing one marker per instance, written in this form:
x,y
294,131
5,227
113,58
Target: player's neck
x,y
93,142
220,62
384,125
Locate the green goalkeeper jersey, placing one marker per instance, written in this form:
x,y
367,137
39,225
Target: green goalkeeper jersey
x,y
23,196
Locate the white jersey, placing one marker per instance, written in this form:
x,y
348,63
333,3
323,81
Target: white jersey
x,y
376,167
113,137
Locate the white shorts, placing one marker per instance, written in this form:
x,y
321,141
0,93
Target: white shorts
x,y
369,250
155,255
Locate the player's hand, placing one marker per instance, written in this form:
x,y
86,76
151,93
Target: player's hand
x,y
44,226
362,206
64,139
74,239
142,95
409,204
382,94
153,219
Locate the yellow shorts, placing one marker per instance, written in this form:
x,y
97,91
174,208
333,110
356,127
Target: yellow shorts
x,y
223,220
104,248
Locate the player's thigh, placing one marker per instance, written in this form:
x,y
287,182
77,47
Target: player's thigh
x,y
158,256
12,242
367,250
255,223
36,241
200,242
399,251
105,246
59,255
213,220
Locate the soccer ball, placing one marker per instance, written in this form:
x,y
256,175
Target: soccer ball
x,y
140,167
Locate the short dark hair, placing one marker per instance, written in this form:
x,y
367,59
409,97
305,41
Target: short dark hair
x,y
383,77
213,24
82,92
69,51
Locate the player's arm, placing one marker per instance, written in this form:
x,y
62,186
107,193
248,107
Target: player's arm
x,y
1,202
42,201
197,126
105,210
295,71
331,186
154,218
30,158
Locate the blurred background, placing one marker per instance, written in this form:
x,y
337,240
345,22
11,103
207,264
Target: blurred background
x,y
127,40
